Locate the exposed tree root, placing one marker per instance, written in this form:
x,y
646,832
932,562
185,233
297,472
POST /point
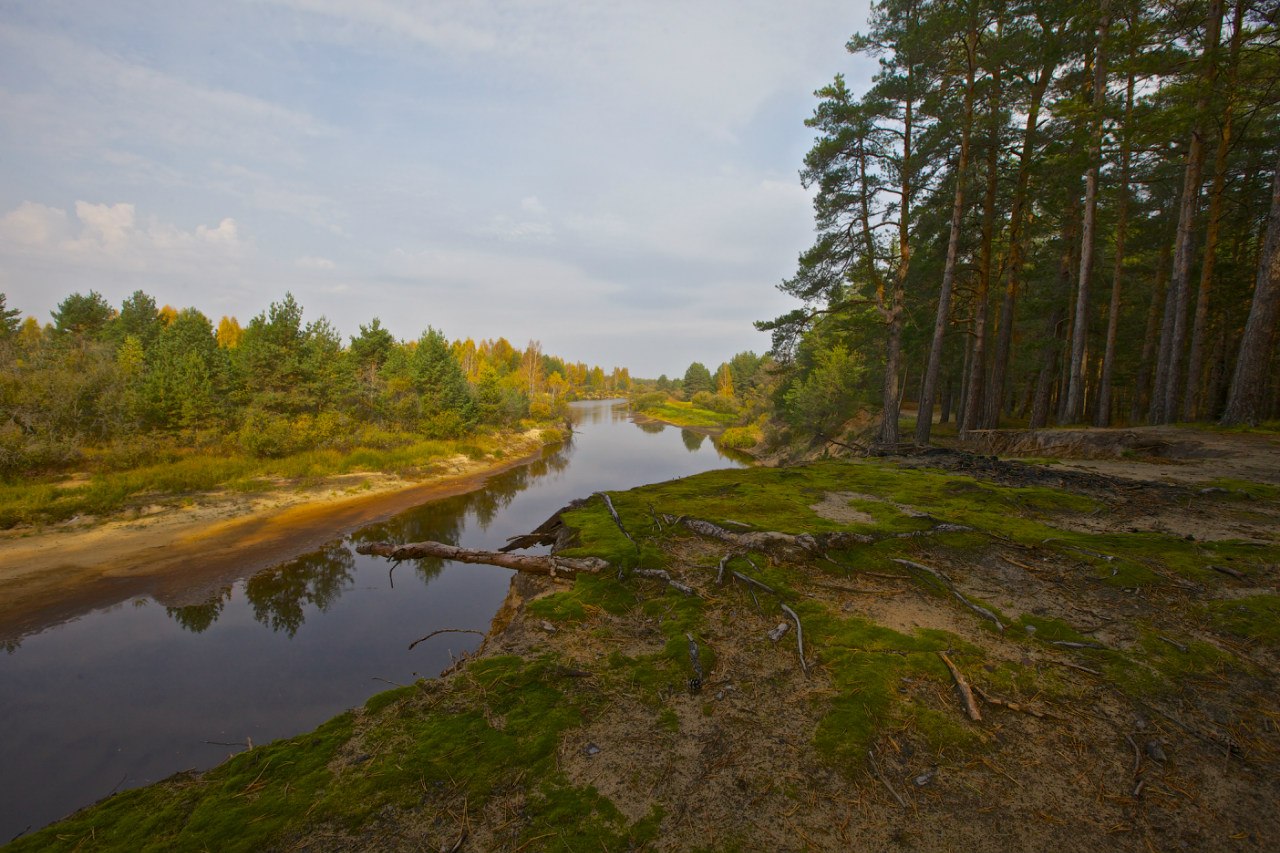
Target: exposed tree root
x,y
947,582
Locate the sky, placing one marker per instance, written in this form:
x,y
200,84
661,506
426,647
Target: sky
x,y
617,180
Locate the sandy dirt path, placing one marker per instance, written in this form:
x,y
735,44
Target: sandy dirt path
x,y
179,555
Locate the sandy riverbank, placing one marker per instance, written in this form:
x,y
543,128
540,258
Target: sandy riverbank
x,y
177,555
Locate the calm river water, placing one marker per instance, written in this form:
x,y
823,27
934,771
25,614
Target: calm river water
x,y
131,694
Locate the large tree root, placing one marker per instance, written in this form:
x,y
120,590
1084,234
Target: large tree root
x,y
552,532
772,541
801,545
951,587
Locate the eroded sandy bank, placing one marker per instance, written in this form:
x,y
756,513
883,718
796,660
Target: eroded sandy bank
x,y
178,555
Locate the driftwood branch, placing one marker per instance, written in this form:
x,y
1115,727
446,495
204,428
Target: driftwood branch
x,y
444,631
1227,570
617,519
720,569
799,636
992,699
966,693
538,564
951,587
665,577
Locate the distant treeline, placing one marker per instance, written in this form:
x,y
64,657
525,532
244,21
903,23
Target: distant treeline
x,y
97,377
1047,212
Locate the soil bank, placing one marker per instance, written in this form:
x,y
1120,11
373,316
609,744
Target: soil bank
x,y
177,555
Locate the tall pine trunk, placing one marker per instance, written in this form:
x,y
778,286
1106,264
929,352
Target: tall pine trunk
x,y
1142,389
891,391
1248,384
1193,407
928,391
1164,400
1057,314
1013,265
972,413
1080,327
1102,415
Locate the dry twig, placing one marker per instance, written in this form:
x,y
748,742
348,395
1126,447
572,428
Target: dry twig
x,y
444,631
966,694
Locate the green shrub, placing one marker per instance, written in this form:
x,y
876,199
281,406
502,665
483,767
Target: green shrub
x,y
740,438
648,401
271,436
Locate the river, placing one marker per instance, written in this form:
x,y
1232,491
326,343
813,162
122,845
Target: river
x,y
126,696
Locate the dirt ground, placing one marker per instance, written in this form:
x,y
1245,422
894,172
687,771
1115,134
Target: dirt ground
x,y
1071,763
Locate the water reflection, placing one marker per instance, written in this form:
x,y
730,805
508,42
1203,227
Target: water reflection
x,y
197,618
129,695
651,427
692,440
280,597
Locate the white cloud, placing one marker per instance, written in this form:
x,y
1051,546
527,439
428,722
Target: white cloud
x,y
427,24
108,226
530,225
88,98
311,262
109,236
713,62
33,224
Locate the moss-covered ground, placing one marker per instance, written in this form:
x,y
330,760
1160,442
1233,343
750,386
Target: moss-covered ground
x,y
1127,697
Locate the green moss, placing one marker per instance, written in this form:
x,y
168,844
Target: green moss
x,y
1255,617
871,668
378,701
603,592
1047,630
248,803
668,720
1156,666
1245,489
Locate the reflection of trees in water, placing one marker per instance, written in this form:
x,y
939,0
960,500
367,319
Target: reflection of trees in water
x,y
279,595
197,618
444,520
692,440
652,427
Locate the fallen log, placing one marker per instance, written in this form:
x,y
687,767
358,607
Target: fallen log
x,y
538,564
